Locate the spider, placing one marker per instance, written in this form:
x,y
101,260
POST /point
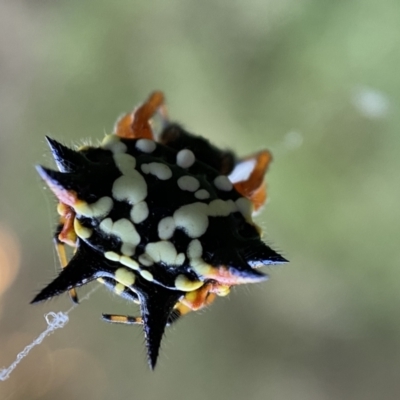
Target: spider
x,y
162,220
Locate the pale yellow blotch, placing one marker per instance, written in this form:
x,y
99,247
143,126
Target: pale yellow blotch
x,y
162,251
195,249
161,171
221,208
245,206
125,276
123,228
166,228
99,208
202,194
200,267
112,142
131,188
106,225
111,255
128,262
119,288
188,183
81,231
146,145
139,212
145,260
180,259
147,275
128,249
125,163
185,284
192,218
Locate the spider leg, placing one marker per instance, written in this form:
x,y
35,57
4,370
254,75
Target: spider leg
x,y
122,319
202,297
62,257
125,292
136,125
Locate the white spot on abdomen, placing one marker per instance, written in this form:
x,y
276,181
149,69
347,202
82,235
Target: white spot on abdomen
x,y
125,163
123,229
185,158
163,251
192,218
223,183
146,145
166,228
189,183
139,212
221,208
114,144
97,209
132,188
195,249
202,194
161,171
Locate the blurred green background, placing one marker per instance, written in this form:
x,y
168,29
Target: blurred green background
x,y
315,81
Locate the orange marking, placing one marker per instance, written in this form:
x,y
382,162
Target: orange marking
x,y
254,188
259,197
136,125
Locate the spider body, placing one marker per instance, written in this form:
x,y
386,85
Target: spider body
x,y
160,221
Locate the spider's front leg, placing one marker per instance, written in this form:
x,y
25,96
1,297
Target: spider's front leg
x,y
202,297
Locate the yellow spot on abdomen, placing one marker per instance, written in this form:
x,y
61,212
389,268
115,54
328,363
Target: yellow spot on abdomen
x,y
127,261
186,285
131,188
113,143
81,231
119,288
192,218
97,209
111,255
124,276
147,275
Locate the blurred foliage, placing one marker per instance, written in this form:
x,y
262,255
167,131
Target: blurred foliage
x,y
317,83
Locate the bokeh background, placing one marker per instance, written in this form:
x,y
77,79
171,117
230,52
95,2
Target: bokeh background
x,y
317,82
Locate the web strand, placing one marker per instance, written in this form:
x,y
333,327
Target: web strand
x,y
55,320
